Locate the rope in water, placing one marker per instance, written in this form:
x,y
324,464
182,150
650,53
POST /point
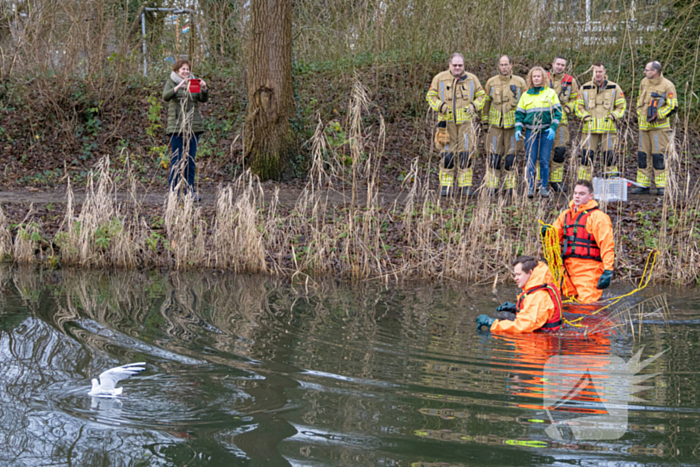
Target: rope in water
x,y
551,249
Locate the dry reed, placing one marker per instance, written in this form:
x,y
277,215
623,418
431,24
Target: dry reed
x,y
5,236
353,234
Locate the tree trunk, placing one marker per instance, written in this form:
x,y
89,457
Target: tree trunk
x,y
269,139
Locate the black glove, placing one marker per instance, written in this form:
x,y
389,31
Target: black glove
x,y
507,306
652,113
544,230
484,320
604,281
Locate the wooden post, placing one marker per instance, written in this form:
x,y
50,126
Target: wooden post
x,y
193,32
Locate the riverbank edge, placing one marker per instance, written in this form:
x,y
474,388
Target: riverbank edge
x,y
319,233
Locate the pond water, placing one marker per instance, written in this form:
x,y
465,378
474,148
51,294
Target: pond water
x,y
256,371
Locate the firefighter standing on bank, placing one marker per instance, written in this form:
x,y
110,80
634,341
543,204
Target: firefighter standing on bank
x,y
457,97
600,105
656,104
502,95
587,246
539,306
566,88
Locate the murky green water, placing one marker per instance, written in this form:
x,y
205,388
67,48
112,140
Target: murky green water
x,y
253,371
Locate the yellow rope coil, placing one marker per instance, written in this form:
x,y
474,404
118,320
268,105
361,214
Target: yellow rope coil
x,y
551,249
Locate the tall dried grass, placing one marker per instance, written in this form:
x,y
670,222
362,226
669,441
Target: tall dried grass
x,y
341,226
5,236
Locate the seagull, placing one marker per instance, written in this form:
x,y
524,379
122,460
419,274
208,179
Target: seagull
x,y
104,385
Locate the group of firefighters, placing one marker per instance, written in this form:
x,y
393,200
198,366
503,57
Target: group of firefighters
x,y
543,105
588,250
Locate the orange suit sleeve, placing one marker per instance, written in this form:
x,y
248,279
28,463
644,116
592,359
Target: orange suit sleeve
x,y
536,310
559,224
600,226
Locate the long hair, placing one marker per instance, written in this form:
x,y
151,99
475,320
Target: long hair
x,y
529,76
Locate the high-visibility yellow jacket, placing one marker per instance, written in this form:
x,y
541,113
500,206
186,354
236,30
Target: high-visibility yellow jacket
x,y
452,97
604,105
538,110
502,96
662,87
566,88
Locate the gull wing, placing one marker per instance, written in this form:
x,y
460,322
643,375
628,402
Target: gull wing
x,y
110,377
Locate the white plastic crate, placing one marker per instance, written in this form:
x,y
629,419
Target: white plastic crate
x,y
610,189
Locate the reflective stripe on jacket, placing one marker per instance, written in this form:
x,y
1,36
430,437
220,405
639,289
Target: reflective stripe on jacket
x,y
538,110
604,104
666,90
456,95
566,88
502,96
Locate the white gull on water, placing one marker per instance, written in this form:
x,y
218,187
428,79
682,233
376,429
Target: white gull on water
x,y
103,386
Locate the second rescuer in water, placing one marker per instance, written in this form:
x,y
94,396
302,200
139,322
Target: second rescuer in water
x,y
538,306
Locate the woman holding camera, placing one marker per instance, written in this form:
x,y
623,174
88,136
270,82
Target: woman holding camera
x,y
183,93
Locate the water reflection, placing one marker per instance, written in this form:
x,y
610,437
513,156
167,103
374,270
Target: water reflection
x,y
246,370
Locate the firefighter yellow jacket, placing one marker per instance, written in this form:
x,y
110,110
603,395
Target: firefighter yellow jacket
x,y
664,89
566,88
502,96
605,105
452,97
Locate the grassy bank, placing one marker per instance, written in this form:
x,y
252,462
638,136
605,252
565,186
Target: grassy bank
x,y
418,235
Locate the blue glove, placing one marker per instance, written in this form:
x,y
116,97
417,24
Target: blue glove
x,y
550,134
518,135
484,320
507,306
604,281
543,232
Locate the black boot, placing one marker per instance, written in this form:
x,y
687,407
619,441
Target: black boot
x,y
660,191
638,190
557,187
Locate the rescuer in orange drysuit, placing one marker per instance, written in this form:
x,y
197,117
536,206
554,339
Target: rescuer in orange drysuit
x,y
587,246
539,305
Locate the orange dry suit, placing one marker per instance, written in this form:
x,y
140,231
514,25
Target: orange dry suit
x,y
539,305
587,248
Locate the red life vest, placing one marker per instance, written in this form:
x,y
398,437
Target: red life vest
x,y
566,83
555,322
577,242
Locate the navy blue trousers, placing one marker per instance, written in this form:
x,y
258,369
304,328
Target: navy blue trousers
x,y
182,166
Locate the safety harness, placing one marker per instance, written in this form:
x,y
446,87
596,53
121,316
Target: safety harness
x,y
554,322
566,83
577,242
